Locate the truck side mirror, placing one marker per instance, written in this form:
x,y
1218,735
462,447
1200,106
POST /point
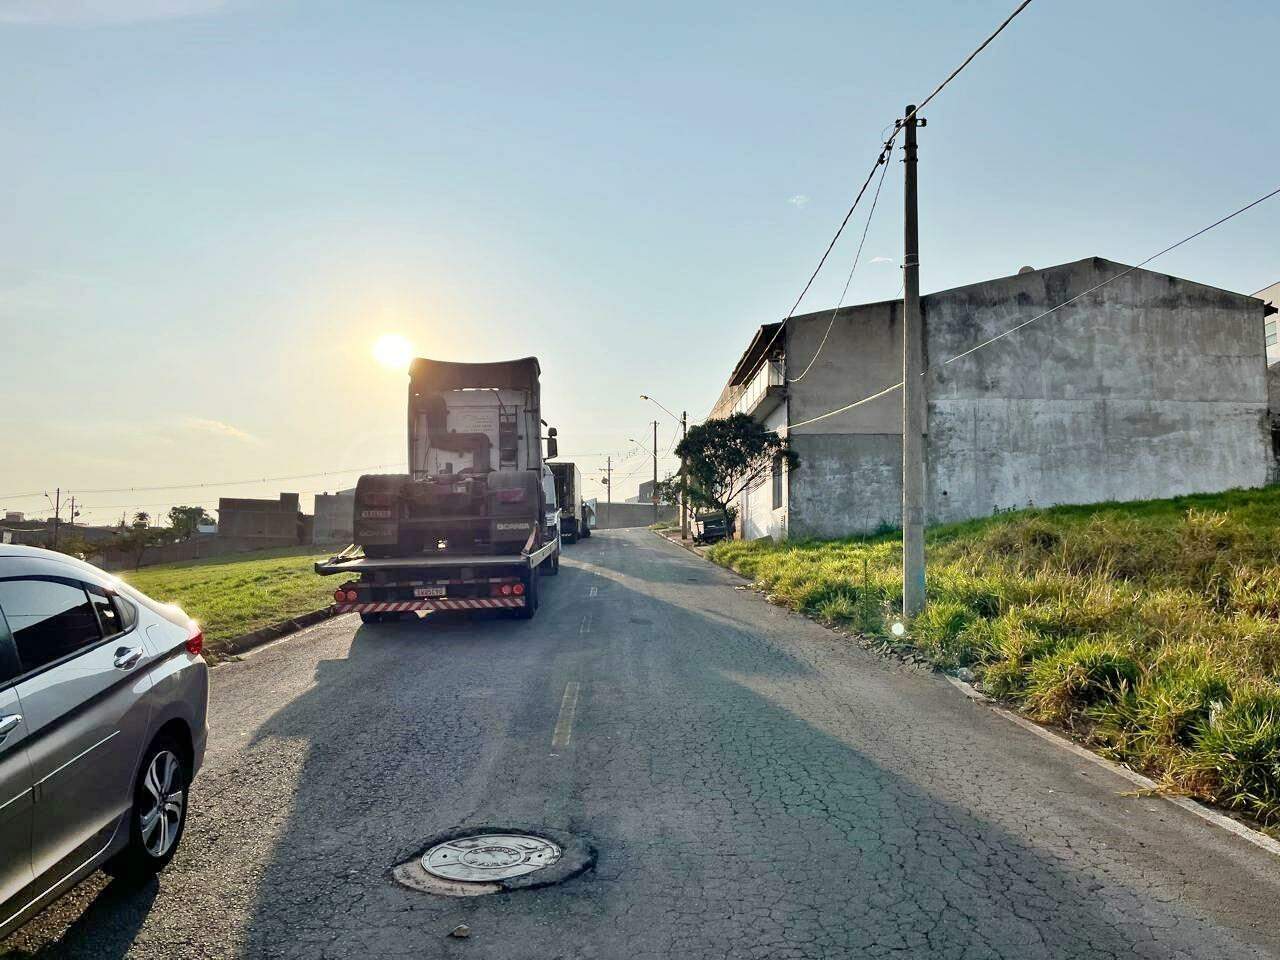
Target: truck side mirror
x,y
553,448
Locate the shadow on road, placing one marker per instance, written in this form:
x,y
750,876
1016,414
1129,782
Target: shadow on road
x,y
734,814
105,930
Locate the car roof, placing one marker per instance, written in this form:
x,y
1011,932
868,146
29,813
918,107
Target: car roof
x,y
21,552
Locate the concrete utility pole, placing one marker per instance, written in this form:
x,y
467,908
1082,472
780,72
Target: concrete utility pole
x,y
608,484
684,480
913,387
655,471
57,513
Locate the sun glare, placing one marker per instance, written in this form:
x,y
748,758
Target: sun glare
x,y
394,351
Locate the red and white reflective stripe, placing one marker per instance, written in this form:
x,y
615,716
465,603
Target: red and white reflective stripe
x,y
478,603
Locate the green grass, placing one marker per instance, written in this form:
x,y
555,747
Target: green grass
x,y
1150,629
233,595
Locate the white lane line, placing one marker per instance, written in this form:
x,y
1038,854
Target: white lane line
x,y
585,627
594,591
568,707
1137,779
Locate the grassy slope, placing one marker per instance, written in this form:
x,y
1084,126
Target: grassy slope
x,y
233,595
1151,629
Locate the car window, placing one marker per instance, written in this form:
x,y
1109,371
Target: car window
x,y
107,610
8,657
128,612
49,619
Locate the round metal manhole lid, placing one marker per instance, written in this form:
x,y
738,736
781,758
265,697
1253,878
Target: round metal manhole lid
x,y
489,857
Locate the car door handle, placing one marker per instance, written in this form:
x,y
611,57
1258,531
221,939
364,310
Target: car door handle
x,y
8,724
127,657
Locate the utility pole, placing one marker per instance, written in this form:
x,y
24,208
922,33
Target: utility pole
x,y
655,471
684,480
608,484
913,387
57,513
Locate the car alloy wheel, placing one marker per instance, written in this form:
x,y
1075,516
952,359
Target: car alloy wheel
x,y
163,788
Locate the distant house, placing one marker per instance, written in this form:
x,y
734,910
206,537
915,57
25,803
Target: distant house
x,y
1151,386
334,515
253,523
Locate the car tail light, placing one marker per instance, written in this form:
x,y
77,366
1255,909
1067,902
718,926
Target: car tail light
x,y
352,596
513,495
518,589
195,643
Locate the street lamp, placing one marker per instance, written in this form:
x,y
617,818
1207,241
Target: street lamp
x,y
683,420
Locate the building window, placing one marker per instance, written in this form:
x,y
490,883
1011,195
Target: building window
x,y
777,482
1270,328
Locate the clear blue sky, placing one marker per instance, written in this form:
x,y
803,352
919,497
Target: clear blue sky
x,y
213,209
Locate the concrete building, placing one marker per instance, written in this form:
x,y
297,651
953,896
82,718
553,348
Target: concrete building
x,y
1152,386
334,515
1271,295
263,523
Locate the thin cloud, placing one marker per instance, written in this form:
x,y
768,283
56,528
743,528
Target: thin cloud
x,y
799,200
220,429
86,12
883,260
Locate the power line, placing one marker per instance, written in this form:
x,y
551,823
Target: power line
x,y
1025,323
883,158
213,483
848,280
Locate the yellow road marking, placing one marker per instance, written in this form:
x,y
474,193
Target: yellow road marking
x,y
568,707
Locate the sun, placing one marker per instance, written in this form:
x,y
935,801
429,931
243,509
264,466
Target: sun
x,y
394,351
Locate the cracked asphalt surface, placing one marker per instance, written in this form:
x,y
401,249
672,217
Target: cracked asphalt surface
x,y
755,786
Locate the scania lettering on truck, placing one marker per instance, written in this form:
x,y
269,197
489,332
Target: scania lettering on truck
x,y
474,523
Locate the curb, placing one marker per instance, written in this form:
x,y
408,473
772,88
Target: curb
x,y
264,635
1146,785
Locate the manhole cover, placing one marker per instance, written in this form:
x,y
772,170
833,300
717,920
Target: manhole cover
x,y
489,857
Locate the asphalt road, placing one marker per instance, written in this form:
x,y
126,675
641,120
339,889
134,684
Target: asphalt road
x,y
754,787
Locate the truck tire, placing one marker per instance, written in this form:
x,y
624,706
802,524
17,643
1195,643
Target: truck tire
x,y
530,596
551,565
370,618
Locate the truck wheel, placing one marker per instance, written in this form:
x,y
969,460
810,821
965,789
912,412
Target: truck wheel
x,y
551,565
530,596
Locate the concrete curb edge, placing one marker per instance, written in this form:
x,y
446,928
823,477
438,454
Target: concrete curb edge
x,y
1208,814
264,635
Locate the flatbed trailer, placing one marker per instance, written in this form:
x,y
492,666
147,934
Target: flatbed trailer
x,y
384,588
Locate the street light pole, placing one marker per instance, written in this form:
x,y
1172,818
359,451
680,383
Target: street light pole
x,y
683,420
684,480
655,471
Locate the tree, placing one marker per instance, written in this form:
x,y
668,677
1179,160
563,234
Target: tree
x,y
141,519
186,521
723,457
136,539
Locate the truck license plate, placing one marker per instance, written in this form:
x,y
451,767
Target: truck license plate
x,y
428,591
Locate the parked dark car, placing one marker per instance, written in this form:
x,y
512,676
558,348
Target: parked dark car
x,y
709,528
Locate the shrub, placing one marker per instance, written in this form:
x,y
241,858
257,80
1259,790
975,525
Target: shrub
x,y
1238,753
1079,676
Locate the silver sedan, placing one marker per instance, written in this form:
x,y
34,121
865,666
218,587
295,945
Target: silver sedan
x,y
103,700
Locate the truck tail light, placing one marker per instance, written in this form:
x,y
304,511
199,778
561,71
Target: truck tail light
x,y
513,495
195,642
339,595
518,589
352,596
